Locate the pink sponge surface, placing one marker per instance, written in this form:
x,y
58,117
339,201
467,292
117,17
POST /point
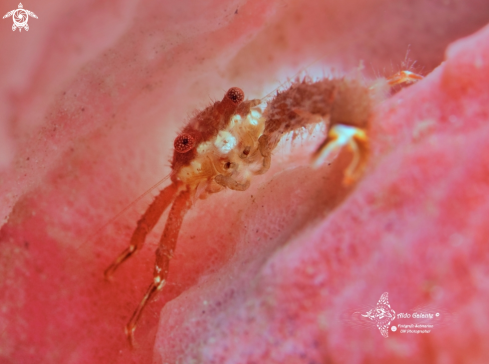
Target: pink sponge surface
x,y
415,227
91,99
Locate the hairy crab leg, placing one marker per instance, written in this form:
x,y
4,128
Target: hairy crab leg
x,y
164,253
343,104
355,137
145,224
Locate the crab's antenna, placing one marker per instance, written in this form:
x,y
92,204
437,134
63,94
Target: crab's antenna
x,y
145,193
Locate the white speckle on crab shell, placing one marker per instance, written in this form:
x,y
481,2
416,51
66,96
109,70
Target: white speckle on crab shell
x,y
235,120
255,114
225,142
254,117
204,147
196,165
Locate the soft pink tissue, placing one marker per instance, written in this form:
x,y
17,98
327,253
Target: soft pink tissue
x,y
91,99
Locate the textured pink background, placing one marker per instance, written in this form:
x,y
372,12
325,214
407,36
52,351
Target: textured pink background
x,y
90,101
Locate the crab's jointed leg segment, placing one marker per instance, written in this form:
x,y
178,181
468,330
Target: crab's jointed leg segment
x,y
339,136
164,254
404,77
344,105
302,104
145,224
267,161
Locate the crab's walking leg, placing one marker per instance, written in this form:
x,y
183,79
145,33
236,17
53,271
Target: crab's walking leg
x,y
145,224
344,105
344,132
267,161
404,77
354,135
164,253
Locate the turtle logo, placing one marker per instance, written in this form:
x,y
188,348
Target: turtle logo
x,y
382,314
20,17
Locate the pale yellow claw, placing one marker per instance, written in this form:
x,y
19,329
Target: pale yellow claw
x,y
340,136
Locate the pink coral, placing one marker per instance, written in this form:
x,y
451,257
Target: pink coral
x,y
91,100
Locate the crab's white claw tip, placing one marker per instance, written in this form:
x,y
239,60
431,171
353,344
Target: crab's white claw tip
x,y
326,152
338,137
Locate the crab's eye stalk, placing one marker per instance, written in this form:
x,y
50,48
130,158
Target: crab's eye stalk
x,y
184,142
236,95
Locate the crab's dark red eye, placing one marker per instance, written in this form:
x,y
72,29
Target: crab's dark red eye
x,y
236,95
184,142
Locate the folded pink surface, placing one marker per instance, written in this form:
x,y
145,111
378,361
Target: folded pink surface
x,y
91,99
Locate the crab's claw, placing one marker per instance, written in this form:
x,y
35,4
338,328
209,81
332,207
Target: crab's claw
x,y
339,136
404,77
